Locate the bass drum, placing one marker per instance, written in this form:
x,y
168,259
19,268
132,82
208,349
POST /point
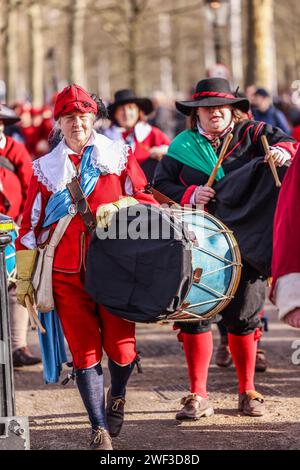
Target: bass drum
x,y
217,267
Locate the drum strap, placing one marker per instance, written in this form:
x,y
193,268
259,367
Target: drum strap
x,y
160,197
81,203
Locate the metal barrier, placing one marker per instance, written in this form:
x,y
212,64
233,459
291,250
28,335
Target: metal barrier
x,y
14,430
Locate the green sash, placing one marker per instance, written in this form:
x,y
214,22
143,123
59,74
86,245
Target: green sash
x,y
193,149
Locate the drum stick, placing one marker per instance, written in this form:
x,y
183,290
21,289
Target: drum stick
x,y
32,313
270,160
224,148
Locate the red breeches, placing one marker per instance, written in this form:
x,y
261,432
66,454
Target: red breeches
x,y
89,327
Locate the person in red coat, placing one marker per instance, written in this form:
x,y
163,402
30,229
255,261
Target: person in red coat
x,y
148,143
15,168
15,175
286,248
108,173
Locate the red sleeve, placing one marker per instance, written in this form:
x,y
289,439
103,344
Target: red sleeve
x,y
138,180
21,159
27,220
291,147
187,195
286,246
160,138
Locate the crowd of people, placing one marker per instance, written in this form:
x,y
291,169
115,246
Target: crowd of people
x,y
113,154
36,123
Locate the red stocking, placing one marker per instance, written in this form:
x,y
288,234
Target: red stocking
x,y
243,350
198,350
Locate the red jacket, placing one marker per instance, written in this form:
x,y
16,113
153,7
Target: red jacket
x,y
70,253
286,235
14,184
155,138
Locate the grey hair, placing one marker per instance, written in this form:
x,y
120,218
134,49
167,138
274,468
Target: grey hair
x,y
55,136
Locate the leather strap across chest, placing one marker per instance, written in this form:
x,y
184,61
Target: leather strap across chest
x,y
81,204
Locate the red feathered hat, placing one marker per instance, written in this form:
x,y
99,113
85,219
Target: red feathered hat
x,y
74,98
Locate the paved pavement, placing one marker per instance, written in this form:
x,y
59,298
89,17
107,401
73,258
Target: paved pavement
x,y
58,420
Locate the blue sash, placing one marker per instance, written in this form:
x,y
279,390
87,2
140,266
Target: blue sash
x,y
59,203
52,346
52,343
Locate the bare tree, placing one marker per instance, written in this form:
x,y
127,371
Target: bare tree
x,y
135,9
260,69
36,69
76,37
10,48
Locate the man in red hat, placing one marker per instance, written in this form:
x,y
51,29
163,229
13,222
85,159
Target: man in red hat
x,y
128,115
15,175
107,172
182,175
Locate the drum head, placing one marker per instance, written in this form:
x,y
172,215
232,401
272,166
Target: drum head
x,y
218,257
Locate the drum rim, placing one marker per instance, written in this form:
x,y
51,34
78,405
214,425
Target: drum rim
x,y
236,269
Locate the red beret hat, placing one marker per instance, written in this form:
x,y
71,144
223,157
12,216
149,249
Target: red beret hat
x,y
73,98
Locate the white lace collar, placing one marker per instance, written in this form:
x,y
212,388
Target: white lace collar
x,y
142,130
55,169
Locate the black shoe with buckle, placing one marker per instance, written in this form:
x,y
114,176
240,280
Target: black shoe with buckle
x,y
114,414
100,440
195,407
24,357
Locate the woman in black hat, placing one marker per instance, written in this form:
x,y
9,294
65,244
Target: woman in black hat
x,y
128,115
182,175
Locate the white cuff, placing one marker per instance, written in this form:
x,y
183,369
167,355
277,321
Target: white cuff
x,y
287,293
193,196
285,153
163,149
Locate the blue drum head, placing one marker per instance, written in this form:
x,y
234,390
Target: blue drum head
x,y
217,255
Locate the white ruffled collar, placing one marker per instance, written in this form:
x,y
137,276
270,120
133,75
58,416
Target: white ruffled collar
x,y
55,170
142,130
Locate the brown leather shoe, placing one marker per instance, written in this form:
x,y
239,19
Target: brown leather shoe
x,y
223,355
114,414
101,440
251,403
261,361
24,357
194,408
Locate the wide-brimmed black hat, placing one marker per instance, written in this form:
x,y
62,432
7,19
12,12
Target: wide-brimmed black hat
x,y
213,91
7,115
128,96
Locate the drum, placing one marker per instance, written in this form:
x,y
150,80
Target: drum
x,y
10,257
216,263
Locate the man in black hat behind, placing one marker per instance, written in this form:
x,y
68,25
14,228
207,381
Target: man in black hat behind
x,y
264,110
128,115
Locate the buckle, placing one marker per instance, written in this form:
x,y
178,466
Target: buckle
x,y
72,209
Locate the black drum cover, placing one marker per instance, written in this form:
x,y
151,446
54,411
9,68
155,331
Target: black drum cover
x,y
140,268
